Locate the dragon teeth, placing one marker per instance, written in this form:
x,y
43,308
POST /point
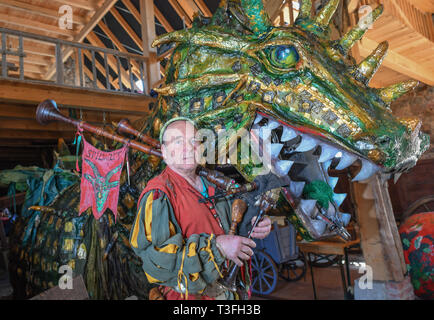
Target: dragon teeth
x,y
258,118
296,188
345,218
331,210
288,134
368,169
307,143
332,181
275,149
319,226
326,165
307,206
327,153
264,133
272,125
346,160
283,166
339,198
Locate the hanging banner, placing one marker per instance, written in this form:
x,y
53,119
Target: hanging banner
x,y
101,172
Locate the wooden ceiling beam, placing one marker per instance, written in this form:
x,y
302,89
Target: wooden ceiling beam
x,y
81,4
203,8
189,7
398,62
97,16
32,124
423,5
181,12
101,69
12,91
131,33
111,60
89,74
35,135
37,27
133,10
119,46
160,17
38,10
32,46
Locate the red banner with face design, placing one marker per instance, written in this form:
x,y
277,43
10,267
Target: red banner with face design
x,y
101,173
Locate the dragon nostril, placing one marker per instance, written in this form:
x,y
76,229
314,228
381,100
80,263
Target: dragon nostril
x,y
383,141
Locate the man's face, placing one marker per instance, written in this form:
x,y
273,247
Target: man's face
x,y
179,147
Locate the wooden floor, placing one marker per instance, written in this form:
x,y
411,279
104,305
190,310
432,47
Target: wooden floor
x,y
328,285
327,282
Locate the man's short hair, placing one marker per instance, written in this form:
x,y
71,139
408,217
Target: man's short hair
x,y
172,121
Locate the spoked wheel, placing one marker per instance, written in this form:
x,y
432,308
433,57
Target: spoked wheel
x,y
293,270
264,273
323,260
424,204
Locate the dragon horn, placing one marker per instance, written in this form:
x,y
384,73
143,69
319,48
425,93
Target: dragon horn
x,y
94,168
367,68
394,91
305,7
111,173
324,16
257,17
357,32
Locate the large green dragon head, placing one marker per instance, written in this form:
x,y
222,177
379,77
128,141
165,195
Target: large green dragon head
x,y
237,71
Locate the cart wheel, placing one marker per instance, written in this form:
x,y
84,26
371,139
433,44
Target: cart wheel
x,y
264,273
424,204
324,260
293,270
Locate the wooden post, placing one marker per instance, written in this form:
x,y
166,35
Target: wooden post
x,y
148,36
380,239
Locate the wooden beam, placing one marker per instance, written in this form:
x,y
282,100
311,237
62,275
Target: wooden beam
x,y
38,10
86,99
132,8
189,7
120,47
101,69
423,5
35,135
273,8
98,15
181,12
398,62
133,35
352,5
32,124
148,36
32,46
203,8
37,27
111,60
88,5
160,17
90,76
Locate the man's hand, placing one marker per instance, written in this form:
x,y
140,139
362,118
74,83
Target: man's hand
x,y
236,248
262,229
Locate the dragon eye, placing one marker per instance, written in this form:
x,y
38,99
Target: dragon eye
x,y
283,56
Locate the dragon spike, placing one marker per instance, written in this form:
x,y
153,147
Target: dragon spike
x,y
356,33
324,16
394,91
367,68
305,7
257,16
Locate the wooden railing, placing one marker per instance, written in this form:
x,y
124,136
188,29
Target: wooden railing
x,y
89,67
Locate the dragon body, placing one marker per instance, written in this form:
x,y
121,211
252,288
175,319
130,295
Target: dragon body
x,y
237,72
